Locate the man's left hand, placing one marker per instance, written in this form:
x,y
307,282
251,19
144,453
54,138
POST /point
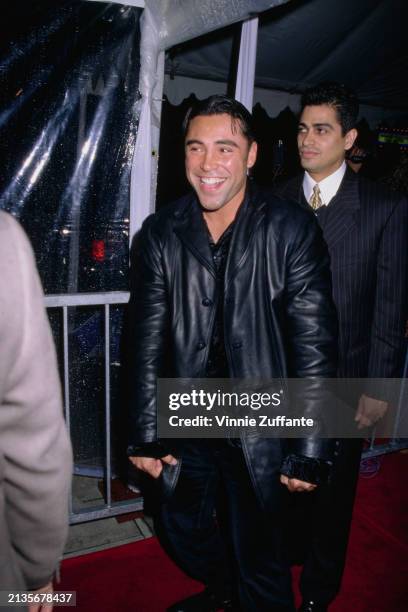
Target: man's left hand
x,y
295,485
369,411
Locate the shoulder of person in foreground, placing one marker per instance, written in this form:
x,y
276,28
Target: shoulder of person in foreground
x,y
35,453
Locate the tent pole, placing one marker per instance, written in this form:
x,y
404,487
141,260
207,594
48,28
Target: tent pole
x,y
157,100
244,88
150,82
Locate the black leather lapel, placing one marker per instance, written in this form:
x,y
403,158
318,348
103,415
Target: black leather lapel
x,y
293,190
191,229
341,213
249,216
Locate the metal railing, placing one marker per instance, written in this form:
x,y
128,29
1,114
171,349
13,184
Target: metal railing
x,y
105,300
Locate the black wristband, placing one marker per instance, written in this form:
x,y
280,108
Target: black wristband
x,y
156,450
308,469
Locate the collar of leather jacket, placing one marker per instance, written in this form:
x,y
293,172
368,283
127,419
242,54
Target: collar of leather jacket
x,y
190,227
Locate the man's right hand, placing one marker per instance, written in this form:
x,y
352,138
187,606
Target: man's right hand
x,y
152,466
48,589
294,484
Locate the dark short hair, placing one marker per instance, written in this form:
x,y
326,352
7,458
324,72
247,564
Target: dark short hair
x,y
341,98
220,105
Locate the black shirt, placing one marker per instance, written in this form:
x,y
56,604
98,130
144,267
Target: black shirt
x,y
217,364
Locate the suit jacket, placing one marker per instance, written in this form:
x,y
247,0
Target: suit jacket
x,y
35,454
366,229
279,319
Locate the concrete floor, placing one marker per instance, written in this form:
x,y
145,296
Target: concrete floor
x,y
103,533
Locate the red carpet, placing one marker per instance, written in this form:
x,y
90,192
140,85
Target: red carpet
x,y
139,577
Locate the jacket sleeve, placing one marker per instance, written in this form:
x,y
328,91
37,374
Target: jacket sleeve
x,y
35,453
391,302
148,324
311,333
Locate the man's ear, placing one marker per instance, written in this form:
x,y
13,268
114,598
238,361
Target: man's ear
x,y
350,139
252,153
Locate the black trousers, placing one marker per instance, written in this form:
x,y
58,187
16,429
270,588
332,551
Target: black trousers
x,y
320,525
240,551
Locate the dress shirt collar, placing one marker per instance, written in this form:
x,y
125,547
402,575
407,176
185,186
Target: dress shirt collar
x,y
328,186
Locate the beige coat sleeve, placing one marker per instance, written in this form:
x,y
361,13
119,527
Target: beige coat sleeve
x,y
35,453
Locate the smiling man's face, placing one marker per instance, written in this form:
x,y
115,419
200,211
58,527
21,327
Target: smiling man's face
x,y
218,156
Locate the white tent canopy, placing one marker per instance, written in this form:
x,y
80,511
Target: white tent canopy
x,y
298,43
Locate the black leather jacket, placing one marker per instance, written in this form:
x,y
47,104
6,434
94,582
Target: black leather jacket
x,y
279,318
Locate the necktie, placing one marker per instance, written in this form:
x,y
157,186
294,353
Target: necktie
x,y
315,199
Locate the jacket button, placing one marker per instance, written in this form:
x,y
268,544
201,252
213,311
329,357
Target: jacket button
x,y
206,302
200,346
237,345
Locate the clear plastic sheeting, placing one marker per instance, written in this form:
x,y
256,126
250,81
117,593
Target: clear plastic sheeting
x,y
68,124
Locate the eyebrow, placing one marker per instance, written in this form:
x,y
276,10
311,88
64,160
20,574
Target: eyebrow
x,y
326,125
227,142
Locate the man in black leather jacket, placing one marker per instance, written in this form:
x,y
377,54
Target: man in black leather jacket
x,y
228,282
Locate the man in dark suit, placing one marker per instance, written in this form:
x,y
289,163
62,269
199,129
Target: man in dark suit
x,y
366,229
